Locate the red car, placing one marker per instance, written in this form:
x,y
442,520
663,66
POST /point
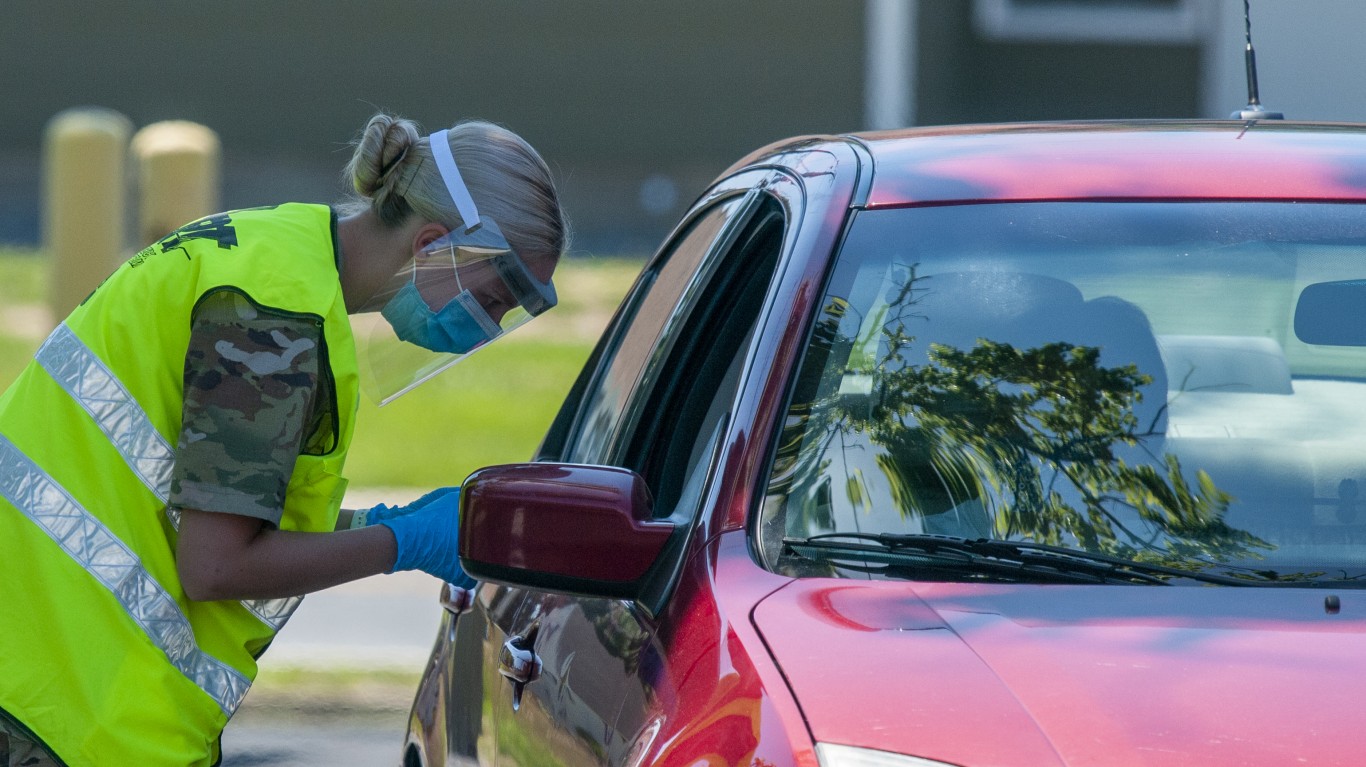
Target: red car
x,y
1032,445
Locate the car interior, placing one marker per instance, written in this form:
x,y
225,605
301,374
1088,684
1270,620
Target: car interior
x,y
1225,410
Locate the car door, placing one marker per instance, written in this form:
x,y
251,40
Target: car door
x,y
656,403
454,707
484,722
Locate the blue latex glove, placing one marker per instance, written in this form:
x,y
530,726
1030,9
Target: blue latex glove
x,y
426,538
376,514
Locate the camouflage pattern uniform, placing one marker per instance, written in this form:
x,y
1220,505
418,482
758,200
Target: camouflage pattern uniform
x,y
17,749
253,403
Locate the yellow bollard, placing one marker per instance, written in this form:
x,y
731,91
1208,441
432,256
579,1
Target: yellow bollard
x,y
178,172
84,151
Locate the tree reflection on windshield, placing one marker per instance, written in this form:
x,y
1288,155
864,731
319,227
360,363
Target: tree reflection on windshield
x,y
1040,442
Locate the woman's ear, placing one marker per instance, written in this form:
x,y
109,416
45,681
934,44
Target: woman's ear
x,y
427,234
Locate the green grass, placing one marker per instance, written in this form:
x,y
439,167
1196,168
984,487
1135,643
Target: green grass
x,y
23,276
14,355
495,406
23,321
492,408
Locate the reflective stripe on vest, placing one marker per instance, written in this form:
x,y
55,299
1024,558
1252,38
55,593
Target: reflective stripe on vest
x,y
94,547
84,376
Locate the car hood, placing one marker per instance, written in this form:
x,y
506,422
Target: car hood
x,y
1075,675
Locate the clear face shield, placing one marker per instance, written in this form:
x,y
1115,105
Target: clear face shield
x,y
463,291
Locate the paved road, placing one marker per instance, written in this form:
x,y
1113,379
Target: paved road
x,y
388,621
384,623
313,744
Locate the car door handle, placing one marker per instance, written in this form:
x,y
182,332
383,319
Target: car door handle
x,y
520,664
456,599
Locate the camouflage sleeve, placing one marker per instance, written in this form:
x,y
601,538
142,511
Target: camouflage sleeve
x,y
250,380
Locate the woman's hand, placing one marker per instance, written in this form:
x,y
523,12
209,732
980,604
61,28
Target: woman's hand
x,y
427,537
376,514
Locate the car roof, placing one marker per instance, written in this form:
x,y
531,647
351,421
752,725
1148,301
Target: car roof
x,y
1111,160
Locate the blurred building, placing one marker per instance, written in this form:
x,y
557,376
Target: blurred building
x,y
637,106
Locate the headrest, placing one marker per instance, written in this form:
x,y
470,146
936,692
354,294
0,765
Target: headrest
x,y
1030,310
1226,364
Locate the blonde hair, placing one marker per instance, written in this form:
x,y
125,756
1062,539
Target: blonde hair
x,y
393,171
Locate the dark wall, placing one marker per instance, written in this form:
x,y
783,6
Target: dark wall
x,y
966,78
613,94
636,105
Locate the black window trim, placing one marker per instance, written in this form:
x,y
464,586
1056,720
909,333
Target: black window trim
x,y
678,321
567,428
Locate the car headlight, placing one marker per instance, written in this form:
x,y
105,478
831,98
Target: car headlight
x,y
848,756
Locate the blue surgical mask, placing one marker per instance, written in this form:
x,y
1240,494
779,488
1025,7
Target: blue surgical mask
x,y
456,328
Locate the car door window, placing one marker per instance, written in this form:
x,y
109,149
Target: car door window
x,y
640,329
677,418
662,395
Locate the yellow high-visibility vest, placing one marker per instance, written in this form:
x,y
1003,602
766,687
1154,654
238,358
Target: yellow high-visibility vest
x,y
101,654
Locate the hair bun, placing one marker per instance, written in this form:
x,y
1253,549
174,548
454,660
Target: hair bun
x,y
378,160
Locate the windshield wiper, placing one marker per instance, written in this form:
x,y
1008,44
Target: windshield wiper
x,y
988,554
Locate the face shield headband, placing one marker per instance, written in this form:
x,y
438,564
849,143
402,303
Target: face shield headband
x,y
455,184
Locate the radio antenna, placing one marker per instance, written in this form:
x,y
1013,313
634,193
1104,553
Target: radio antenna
x,y
1254,109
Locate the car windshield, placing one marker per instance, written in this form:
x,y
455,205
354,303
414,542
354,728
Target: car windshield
x,y
1181,384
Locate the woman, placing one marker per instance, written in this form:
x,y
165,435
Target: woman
x,y
144,576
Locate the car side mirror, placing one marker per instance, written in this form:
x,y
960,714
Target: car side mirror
x,y
574,529
1332,313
